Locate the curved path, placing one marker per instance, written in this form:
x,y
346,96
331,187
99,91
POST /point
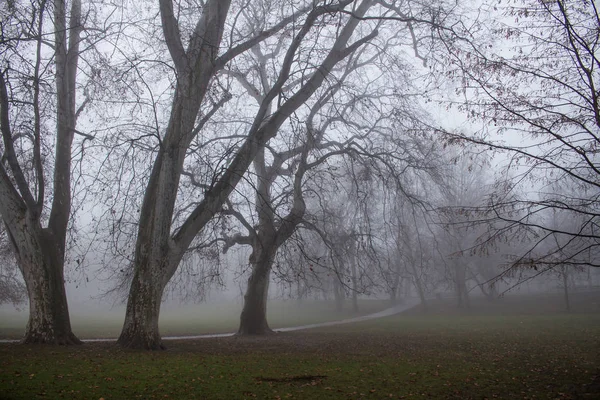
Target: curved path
x,y
385,313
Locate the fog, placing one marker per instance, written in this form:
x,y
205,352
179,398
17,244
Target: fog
x,y
94,316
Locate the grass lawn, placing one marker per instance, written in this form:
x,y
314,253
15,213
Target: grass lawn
x,y
461,356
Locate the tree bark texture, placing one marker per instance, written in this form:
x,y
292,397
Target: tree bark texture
x,y
253,320
140,330
42,268
156,256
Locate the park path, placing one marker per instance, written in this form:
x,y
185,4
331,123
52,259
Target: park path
x,y
385,313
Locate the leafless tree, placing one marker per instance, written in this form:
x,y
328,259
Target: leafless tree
x,y
466,187
329,127
559,247
531,76
273,228
353,216
412,246
160,246
37,90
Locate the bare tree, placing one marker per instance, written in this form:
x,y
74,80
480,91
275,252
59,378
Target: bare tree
x,y
349,232
466,186
558,246
413,247
279,190
36,226
272,230
532,76
160,246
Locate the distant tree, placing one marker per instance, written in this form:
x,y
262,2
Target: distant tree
x,y
412,245
352,218
346,224
302,152
465,187
558,246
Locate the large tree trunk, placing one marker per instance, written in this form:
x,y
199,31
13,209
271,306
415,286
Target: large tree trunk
x,y
41,263
140,330
156,254
155,260
253,320
266,242
48,310
151,268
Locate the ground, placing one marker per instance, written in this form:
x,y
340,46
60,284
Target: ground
x,y
510,354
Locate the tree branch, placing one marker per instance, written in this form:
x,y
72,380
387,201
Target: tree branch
x,y
9,149
173,35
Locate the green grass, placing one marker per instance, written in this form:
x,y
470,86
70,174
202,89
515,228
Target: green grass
x,y
195,319
465,356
